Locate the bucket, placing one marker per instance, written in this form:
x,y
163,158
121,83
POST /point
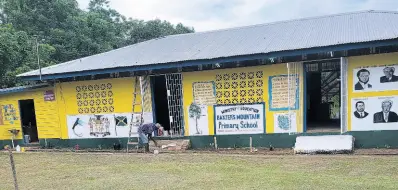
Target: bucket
x,y
26,139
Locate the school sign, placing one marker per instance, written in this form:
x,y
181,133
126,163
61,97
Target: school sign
x,y
239,119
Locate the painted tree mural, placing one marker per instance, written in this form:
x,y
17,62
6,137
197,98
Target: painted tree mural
x,y
195,112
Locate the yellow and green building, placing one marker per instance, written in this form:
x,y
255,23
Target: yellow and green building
x,y
334,74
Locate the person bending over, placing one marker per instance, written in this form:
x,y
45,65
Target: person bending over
x,y
145,133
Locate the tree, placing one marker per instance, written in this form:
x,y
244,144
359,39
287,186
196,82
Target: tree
x,y
66,32
195,112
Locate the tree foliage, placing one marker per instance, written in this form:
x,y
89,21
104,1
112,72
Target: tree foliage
x,y
65,32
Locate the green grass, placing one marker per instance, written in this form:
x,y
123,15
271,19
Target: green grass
x,y
198,171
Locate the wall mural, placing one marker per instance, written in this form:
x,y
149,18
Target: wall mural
x,y
95,98
285,122
240,87
374,113
375,78
239,119
101,125
10,113
280,94
198,120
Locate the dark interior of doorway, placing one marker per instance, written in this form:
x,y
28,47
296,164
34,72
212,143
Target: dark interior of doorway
x,y
28,119
160,101
323,96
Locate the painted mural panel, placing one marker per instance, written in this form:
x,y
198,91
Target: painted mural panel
x,y
239,119
10,113
374,113
198,120
285,122
283,90
101,125
375,78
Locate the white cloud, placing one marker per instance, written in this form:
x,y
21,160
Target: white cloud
x,y
216,14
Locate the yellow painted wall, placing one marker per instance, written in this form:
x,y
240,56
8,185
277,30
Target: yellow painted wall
x,y
268,70
46,114
95,96
362,61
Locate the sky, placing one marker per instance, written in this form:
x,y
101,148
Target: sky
x,y
205,15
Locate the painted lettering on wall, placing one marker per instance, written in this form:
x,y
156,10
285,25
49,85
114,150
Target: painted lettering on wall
x,y
204,93
283,91
239,119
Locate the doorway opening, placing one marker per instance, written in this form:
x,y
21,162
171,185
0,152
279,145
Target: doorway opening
x,y
28,120
323,96
167,92
160,101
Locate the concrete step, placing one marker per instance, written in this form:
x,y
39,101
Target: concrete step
x,y
172,145
326,144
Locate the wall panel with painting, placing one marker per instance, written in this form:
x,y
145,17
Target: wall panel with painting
x,y
244,100
373,92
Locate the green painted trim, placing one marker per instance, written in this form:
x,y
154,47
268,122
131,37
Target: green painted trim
x,y
363,139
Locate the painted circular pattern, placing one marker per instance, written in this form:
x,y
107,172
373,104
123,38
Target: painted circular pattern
x,y
86,110
250,75
226,76
218,77
81,110
78,88
242,84
92,110
242,75
91,102
91,95
85,103
110,93
79,96
259,74
227,101
97,102
103,94
250,84
96,87
234,93
104,101
111,109
110,101
234,76
85,95
103,86
97,94
90,87
105,109
109,86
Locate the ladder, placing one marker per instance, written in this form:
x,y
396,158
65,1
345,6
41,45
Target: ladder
x,y
137,84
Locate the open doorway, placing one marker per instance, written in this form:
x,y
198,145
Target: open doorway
x,y
168,103
160,101
323,96
28,119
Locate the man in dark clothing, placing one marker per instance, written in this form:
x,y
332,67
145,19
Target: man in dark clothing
x,y
145,133
389,75
386,115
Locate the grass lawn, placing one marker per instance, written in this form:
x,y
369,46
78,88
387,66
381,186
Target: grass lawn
x,y
199,171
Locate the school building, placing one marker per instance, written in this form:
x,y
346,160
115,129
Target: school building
x,y
334,74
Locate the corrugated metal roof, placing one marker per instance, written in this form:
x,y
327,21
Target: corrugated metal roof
x,y
297,34
22,88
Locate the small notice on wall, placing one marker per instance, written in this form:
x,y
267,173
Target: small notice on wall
x,y
49,95
280,92
204,93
